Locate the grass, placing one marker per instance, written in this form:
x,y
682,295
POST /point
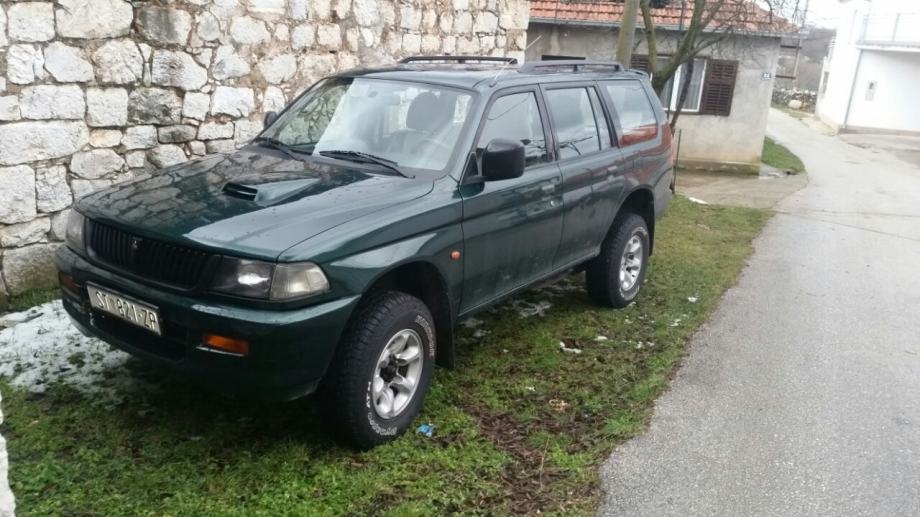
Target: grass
x,y
799,114
776,155
521,425
32,298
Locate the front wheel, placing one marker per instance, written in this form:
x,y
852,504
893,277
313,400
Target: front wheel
x,y
382,368
615,277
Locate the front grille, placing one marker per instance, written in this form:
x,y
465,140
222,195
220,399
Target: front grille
x,y
147,258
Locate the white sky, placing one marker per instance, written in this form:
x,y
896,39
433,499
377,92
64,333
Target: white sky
x,y
823,13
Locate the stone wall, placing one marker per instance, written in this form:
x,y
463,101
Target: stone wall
x,y
97,91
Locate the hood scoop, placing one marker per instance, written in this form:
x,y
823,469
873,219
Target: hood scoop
x,y
270,193
240,191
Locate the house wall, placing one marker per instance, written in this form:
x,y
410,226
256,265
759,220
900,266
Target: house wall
x,y
840,66
96,92
895,106
843,100
734,142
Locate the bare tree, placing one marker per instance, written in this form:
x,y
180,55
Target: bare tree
x,y
708,24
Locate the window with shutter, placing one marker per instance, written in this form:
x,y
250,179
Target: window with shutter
x,y
719,87
639,63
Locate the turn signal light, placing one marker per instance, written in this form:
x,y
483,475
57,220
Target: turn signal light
x,y
67,282
226,344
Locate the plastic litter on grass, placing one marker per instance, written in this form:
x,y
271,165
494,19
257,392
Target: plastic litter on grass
x,y
426,430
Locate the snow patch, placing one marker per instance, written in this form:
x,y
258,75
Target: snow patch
x,y
42,348
527,309
471,323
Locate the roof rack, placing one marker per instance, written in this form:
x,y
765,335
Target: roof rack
x,y
576,65
460,59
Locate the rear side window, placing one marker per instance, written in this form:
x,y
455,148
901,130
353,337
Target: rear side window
x,y
637,117
574,122
600,118
517,117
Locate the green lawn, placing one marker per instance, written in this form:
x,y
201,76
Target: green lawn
x,y
521,425
31,299
775,155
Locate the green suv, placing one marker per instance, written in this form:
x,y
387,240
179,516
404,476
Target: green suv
x,y
337,251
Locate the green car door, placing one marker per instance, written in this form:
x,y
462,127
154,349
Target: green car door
x,y
512,227
591,167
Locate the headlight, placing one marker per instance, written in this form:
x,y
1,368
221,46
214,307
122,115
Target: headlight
x,y
74,231
264,280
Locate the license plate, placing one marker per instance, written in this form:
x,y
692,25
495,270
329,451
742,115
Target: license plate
x,y
138,313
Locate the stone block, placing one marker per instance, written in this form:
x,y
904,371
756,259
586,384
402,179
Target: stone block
x,y
140,137
278,69
166,155
163,25
9,108
104,137
215,131
177,133
96,163
49,101
228,100
173,68
228,64
51,190
106,107
66,64
93,18
30,21
248,31
22,142
118,62
21,234
196,105
18,187
154,106
29,267
24,63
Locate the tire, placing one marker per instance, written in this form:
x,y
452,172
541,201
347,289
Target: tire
x,y
603,274
368,367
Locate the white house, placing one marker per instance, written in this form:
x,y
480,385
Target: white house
x,y
872,72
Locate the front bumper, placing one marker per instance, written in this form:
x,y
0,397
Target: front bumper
x,y
289,350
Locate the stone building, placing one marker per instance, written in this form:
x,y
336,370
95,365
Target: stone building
x,y
96,92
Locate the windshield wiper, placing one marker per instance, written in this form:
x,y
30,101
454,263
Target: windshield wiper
x,y
358,156
274,143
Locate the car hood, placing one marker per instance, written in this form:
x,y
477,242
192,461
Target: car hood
x,y
254,202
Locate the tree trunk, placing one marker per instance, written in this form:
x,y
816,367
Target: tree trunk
x,y
627,32
684,90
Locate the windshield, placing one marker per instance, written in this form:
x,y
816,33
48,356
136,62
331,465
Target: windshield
x,y
413,125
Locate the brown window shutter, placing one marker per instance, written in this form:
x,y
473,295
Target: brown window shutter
x,y
639,63
719,87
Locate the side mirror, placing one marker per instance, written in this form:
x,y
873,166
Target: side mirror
x,y
503,159
270,118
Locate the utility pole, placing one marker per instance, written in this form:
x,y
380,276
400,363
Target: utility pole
x,y
627,32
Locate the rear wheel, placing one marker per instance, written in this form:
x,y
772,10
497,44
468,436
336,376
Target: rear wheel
x,y
382,368
615,277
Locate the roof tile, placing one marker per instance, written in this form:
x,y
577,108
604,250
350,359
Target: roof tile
x,y
736,14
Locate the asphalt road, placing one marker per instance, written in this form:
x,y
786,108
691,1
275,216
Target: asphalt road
x,y
801,396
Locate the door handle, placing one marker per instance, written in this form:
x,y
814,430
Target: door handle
x,y
549,188
613,168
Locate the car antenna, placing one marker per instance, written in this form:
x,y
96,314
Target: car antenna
x,y
502,69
